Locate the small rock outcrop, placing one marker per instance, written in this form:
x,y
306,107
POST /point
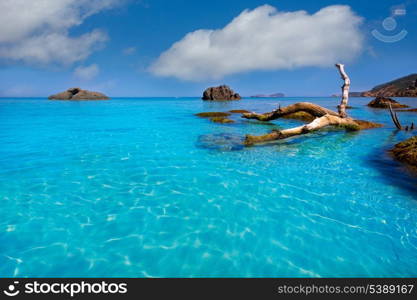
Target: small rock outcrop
x,y
222,92
406,151
382,102
78,94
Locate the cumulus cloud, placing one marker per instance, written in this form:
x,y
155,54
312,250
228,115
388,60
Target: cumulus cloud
x,y
54,48
87,72
38,31
265,39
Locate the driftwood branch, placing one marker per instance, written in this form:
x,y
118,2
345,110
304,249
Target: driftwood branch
x,y
345,91
310,108
317,124
323,117
394,117
395,120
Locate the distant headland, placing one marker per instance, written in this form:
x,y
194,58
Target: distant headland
x,y
276,95
402,87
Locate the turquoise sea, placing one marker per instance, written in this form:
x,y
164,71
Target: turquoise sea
x,y
143,188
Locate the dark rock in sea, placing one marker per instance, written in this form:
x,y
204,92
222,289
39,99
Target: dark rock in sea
x,y
382,102
406,151
213,114
78,94
222,92
401,87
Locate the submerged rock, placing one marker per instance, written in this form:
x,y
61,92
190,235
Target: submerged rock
x,y
213,114
221,141
222,92
239,111
78,94
221,120
406,151
367,124
382,102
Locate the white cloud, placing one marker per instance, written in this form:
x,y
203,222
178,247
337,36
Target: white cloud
x,y
38,31
54,48
87,72
265,39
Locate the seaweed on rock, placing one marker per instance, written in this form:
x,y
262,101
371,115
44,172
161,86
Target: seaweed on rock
x,y
406,151
213,114
221,120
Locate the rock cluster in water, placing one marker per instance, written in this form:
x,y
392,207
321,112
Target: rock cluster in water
x,y
78,94
222,92
382,102
406,151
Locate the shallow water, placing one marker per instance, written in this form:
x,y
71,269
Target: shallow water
x,y
141,187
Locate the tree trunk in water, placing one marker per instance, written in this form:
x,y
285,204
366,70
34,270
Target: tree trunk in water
x,y
317,124
345,91
311,108
324,117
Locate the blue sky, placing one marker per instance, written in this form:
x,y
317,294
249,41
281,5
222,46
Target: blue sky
x,y
115,46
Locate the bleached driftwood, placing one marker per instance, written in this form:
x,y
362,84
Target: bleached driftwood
x,y
345,91
310,108
396,122
394,117
323,117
